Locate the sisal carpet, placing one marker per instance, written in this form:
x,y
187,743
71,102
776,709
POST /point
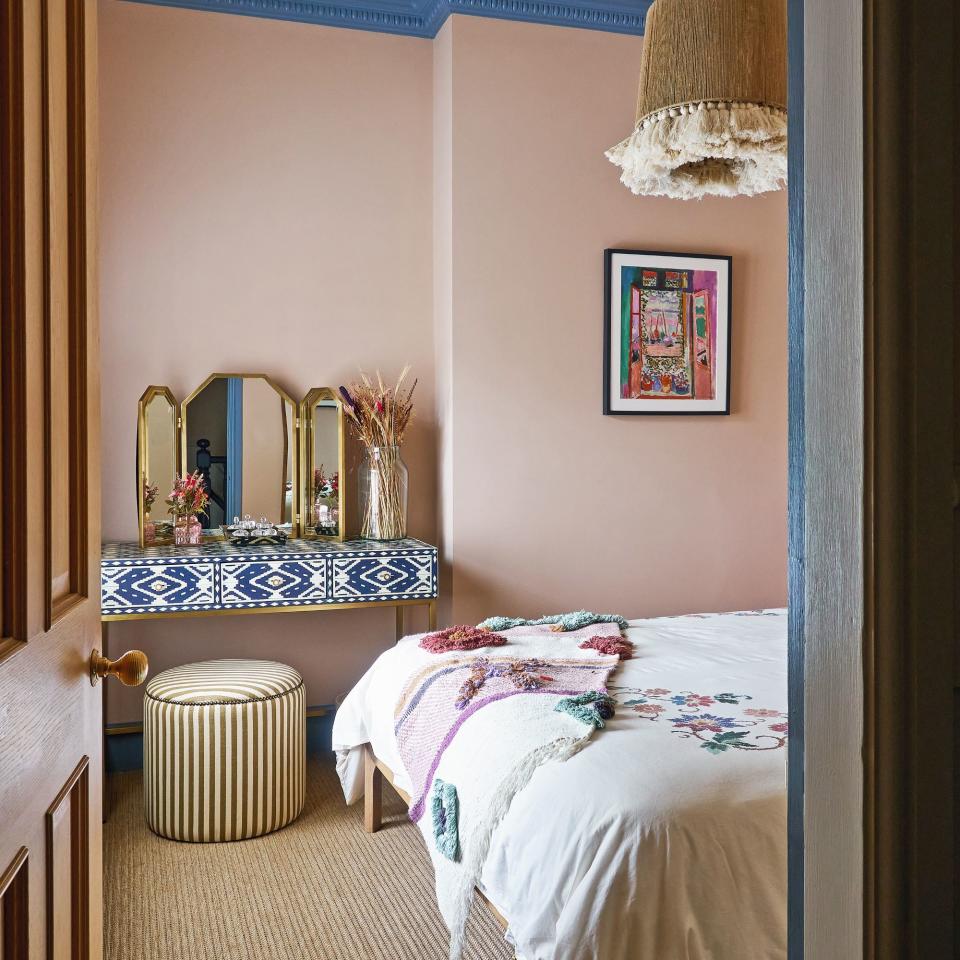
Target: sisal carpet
x,y
320,889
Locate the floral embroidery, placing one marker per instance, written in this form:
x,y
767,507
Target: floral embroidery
x,y
649,711
702,722
521,673
691,700
717,733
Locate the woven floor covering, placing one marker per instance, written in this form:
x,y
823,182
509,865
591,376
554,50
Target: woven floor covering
x,y
320,889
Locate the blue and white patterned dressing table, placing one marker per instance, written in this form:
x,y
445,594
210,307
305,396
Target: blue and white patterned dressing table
x,y
220,578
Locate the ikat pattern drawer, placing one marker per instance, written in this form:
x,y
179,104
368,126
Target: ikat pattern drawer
x,y
358,577
147,581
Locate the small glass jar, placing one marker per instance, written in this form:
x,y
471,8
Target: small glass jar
x,y
383,480
187,531
149,529
320,512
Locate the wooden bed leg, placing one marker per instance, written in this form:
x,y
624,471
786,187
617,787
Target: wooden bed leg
x,y
372,792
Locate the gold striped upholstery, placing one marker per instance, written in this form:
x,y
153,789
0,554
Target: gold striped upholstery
x,y
224,750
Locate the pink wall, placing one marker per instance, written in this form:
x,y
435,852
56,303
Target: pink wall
x,y
266,207
550,500
318,199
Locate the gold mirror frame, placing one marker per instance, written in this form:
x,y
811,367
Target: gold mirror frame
x,y
295,524
148,395
308,407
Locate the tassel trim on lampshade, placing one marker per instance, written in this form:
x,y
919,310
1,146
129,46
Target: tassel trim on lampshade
x,y
711,114
707,148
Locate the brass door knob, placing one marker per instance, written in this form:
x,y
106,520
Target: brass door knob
x,y
130,669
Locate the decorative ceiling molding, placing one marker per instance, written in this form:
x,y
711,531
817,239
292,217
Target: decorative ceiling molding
x,y
424,18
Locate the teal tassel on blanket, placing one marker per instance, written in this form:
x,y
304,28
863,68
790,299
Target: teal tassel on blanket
x,y
445,808
592,707
566,621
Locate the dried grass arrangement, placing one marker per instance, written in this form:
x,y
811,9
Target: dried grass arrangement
x,y
379,416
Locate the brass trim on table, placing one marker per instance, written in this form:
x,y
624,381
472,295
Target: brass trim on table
x,y
429,602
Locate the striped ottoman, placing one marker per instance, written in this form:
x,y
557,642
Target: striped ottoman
x,y
223,750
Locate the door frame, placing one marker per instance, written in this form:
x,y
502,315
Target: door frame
x,y
873,796
826,466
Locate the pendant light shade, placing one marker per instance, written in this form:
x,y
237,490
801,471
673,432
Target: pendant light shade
x,y
711,107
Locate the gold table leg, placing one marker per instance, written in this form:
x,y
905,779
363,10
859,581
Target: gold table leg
x,y
431,618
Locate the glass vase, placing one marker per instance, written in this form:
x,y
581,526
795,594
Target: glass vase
x,y
383,494
187,531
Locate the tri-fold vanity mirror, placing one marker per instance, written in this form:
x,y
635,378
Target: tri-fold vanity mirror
x,y
263,458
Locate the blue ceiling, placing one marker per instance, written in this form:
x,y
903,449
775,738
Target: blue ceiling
x,y
423,18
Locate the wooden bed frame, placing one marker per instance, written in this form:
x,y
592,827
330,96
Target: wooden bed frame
x,y
374,773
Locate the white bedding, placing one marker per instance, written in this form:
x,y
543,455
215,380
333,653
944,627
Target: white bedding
x,y
665,837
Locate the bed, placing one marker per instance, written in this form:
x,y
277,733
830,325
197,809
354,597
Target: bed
x,y
661,838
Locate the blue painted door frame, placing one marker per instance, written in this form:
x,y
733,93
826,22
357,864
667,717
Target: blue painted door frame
x,y
796,586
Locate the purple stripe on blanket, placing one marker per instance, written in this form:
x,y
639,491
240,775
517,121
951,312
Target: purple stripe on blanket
x,y
423,689
418,696
416,811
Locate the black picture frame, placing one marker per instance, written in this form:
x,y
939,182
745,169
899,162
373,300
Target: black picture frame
x,y
650,405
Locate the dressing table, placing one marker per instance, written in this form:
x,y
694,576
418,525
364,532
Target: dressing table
x,y
219,578
257,452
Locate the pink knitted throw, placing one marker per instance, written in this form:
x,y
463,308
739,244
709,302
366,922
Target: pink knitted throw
x,y
618,645
437,700
462,637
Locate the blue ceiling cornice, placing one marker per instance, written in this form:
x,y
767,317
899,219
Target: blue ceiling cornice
x,y
423,18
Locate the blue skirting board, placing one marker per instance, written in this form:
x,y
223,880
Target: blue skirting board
x,y
124,751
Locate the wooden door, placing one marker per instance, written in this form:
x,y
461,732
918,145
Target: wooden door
x,y
50,714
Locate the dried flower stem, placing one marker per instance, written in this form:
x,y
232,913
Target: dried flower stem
x,y
385,517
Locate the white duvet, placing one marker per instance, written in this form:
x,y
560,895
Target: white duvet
x,y
665,837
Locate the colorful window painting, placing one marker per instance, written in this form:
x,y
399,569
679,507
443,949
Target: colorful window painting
x,y
666,333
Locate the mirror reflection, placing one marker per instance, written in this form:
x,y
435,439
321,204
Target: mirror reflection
x,y
157,452
323,493
239,433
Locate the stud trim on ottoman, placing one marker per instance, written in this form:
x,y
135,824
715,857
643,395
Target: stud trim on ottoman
x,y
224,750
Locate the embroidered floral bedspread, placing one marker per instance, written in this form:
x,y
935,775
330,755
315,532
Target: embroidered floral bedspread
x,y
666,836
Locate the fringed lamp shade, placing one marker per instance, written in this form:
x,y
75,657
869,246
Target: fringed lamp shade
x,y
711,108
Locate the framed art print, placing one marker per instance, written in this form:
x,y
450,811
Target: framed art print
x,y
666,333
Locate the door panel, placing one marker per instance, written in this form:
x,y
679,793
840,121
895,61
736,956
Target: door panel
x,y
68,869
65,314
14,910
50,714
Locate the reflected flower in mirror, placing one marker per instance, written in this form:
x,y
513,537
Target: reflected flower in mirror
x,y
149,498
326,501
